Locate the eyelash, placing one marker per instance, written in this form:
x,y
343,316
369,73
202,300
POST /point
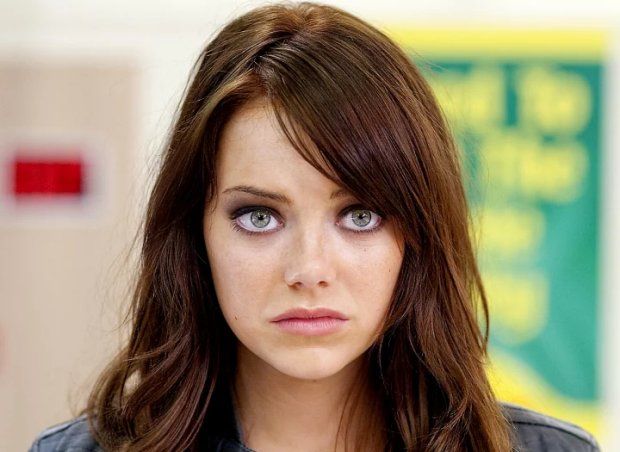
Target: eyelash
x,y
243,210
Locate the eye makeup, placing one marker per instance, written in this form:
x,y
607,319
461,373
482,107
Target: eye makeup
x,y
239,212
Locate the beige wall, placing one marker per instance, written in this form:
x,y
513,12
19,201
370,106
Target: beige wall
x,y
60,268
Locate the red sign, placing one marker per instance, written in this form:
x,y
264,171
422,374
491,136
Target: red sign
x,y
47,176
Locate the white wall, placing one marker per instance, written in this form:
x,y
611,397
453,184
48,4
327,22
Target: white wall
x,y
165,37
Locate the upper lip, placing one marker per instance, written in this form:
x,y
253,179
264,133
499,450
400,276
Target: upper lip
x,y
301,313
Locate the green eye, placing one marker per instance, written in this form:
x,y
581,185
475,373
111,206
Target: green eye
x,y
255,220
361,218
260,218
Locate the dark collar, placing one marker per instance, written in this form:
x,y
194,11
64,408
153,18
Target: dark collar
x,y
221,430
539,431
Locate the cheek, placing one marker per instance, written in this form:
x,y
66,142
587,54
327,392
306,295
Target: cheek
x,y
373,278
242,275
235,298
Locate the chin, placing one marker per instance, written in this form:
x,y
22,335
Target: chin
x,y
314,365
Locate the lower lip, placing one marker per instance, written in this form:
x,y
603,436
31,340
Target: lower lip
x,y
311,327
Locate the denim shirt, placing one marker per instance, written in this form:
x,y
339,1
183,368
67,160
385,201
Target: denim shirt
x,y
534,432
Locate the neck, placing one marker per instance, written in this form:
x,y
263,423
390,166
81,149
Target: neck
x,y
276,411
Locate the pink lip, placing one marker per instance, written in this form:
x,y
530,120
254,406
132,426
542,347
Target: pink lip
x,y
301,313
306,322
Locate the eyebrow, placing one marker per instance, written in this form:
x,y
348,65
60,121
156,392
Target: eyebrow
x,y
278,197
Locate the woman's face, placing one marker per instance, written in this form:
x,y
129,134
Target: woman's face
x,y
301,247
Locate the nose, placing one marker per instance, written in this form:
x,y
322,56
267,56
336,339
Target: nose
x,y
310,261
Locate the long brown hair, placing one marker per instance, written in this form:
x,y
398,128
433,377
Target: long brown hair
x,y
374,128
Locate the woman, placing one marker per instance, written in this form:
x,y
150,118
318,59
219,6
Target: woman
x,y
307,279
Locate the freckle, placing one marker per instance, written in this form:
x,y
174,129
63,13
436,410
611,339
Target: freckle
x,y
235,317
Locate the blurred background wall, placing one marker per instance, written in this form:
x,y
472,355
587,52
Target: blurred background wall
x,y
87,92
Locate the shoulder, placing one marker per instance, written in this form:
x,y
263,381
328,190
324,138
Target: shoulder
x,y
534,432
73,435
539,432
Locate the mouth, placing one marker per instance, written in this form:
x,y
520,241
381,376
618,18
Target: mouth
x,y
306,322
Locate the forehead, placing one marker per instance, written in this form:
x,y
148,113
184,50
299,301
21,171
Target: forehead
x,y
254,149
252,133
